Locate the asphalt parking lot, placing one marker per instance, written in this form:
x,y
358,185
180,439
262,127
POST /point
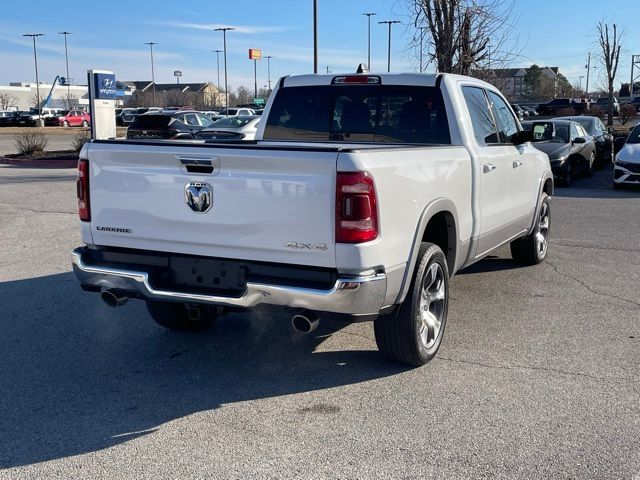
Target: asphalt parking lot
x,y
538,375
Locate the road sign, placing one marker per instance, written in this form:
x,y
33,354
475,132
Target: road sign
x,y
177,73
258,101
255,54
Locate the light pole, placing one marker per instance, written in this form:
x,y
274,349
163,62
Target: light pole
x,y
422,29
153,76
269,57
315,36
66,60
369,15
580,77
224,31
588,67
35,58
218,52
389,23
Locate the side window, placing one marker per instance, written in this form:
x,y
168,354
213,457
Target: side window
x,y
483,127
191,119
507,125
574,132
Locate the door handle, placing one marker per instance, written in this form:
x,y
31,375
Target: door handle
x,y
516,163
488,167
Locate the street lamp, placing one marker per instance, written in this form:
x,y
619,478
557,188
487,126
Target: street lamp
x,y
389,22
66,60
35,57
218,52
153,77
224,31
369,15
269,57
315,36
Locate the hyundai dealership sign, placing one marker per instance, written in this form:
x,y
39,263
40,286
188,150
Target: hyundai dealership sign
x,y
105,85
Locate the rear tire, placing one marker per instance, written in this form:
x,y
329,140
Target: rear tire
x,y
533,249
414,334
179,317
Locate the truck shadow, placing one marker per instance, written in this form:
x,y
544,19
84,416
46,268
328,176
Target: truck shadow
x,y
78,377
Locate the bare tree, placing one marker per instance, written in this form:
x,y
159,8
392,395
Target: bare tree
x,y
7,101
609,41
465,36
69,101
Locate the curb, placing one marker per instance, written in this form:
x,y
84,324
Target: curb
x,y
39,162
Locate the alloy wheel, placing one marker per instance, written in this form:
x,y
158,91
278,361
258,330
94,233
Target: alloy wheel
x,y
432,305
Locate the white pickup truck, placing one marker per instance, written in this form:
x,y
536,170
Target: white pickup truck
x,y
362,195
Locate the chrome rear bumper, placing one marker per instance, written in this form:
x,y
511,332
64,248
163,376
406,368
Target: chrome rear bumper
x,y
353,295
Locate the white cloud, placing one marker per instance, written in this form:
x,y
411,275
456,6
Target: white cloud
x,y
246,29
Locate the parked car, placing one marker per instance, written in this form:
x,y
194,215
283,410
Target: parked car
x,y
603,102
126,117
228,112
532,111
556,105
10,119
604,139
571,150
335,208
70,118
636,103
28,119
175,124
626,168
231,128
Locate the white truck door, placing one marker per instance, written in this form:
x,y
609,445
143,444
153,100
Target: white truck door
x,y
523,184
493,172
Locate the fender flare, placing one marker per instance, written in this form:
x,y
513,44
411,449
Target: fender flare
x,y
436,206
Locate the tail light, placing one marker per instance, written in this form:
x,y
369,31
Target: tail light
x,y
82,187
356,208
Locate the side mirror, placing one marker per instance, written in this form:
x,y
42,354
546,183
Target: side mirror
x,y
579,140
523,136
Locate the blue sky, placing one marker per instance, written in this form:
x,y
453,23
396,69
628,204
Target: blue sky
x,y
553,32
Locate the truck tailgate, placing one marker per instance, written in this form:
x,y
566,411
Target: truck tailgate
x,y
273,205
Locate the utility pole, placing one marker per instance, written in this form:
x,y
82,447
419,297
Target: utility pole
x,y
224,31
35,58
369,15
315,36
328,71
269,57
580,82
422,29
389,23
153,76
586,93
635,62
66,60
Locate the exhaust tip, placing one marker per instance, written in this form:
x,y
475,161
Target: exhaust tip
x,y
113,300
305,322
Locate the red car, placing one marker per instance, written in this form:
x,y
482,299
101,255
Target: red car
x,y
74,118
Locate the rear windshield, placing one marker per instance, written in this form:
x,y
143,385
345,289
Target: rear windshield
x,y
151,121
364,113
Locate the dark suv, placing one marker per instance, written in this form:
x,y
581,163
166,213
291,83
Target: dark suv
x,y
603,102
